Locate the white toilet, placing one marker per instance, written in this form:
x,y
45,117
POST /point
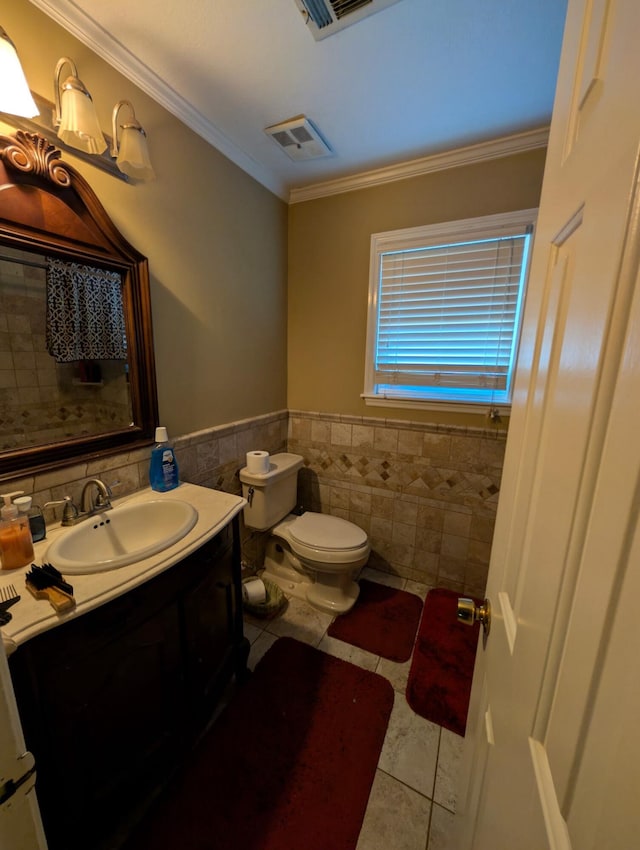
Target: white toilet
x,y
313,556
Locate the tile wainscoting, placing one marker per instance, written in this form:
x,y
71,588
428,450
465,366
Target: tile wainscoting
x,y
426,495
211,458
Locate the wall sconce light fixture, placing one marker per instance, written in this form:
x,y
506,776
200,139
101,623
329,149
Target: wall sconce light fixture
x,y
130,150
71,122
15,97
75,115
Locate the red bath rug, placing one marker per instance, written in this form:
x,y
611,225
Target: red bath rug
x,y
439,684
383,621
289,763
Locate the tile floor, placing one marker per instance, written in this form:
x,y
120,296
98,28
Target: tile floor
x,y
413,800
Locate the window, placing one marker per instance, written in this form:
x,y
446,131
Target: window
x,y
445,305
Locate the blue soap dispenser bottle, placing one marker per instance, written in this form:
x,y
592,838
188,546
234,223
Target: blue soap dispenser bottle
x,y
163,470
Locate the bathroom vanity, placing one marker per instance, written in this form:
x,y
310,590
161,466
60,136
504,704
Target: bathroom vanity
x,y
113,695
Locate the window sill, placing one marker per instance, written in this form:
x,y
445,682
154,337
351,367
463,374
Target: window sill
x,y
427,404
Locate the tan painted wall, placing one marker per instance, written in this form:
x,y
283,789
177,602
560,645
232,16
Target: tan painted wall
x,y
215,239
329,240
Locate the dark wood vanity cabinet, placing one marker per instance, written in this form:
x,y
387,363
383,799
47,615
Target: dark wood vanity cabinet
x,y
111,701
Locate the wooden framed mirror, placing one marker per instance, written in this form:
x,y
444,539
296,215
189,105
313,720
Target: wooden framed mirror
x,y
68,392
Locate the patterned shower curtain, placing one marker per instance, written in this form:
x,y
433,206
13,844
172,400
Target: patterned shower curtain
x,y
85,317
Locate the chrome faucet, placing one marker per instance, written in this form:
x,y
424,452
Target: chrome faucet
x,y
88,506
102,501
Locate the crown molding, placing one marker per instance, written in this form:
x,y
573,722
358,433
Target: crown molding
x,y
85,29
505,146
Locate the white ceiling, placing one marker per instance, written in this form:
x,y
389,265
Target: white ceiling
x,y
418,78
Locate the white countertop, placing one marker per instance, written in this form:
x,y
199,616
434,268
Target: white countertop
x,y
32,616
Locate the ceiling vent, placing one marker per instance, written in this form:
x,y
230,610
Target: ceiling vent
x,y
326,17
299,139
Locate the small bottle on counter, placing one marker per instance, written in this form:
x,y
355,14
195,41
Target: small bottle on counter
x,y
34,515
16,545
163,469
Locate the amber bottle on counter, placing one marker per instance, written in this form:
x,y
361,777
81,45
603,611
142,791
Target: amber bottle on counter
x,y
16,545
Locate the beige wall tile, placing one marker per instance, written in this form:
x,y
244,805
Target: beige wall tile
x,y
228,448
320,431
405,511
425,567
454,546
457,523
403,533
360,502
431,517
410,442
363,521
436,446
340,434
300,429
479,551
340,498
482,528
428,540
381,528
362,437
451,569
382,505
401,554
385,439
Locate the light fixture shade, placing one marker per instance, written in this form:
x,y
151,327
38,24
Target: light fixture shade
x,y
79,125
15,97
133,155
129,147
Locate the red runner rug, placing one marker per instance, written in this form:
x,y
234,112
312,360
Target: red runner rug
x,y
383,621
439,683
289,763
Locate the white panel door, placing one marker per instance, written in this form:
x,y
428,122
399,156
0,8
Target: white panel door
x,y
20,823
552,756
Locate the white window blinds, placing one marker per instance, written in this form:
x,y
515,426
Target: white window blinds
x,y
447,310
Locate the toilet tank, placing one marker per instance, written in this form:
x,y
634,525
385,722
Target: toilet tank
x,y
271,495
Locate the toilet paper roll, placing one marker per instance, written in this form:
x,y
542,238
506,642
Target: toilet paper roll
x,y
254,591
258,462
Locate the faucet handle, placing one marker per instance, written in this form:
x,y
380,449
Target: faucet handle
x,y
70,512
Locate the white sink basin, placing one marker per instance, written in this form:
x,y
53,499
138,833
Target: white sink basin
x,y
121,536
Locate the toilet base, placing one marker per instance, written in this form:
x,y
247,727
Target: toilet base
x,y
333,593
333,598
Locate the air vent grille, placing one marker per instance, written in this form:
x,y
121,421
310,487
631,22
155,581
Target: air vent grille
x,y
346,7
325,17
319,12
299,139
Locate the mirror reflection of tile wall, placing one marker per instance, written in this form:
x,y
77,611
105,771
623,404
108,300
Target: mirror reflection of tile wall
x,y
40,400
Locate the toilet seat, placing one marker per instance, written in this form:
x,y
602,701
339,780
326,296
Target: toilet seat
x,y
327,532
324,540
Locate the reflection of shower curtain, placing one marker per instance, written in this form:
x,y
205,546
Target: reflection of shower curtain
x,y
85,319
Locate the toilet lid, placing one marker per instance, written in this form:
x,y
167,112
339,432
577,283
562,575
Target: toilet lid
x,y
327,532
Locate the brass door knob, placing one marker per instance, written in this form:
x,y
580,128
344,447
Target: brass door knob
x,y
470,613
